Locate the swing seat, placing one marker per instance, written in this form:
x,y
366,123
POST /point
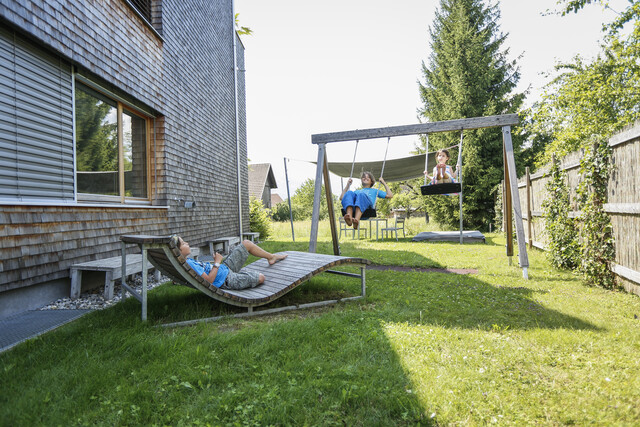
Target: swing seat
x,y
369,213
444,188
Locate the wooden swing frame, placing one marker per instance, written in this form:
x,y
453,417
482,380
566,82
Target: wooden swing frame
x,y
510,190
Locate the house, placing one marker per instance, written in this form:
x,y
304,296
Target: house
x,y
261,181
117,117
275,199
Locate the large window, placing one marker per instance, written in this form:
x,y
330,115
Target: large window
x,y
111,149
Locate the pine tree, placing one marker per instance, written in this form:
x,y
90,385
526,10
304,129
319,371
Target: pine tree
x,y
469,75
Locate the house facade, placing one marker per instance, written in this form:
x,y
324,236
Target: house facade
x,y
261,182
116,117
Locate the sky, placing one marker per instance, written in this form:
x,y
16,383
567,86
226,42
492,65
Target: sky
x,y
335,65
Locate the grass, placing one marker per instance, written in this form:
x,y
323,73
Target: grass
x,y
423,348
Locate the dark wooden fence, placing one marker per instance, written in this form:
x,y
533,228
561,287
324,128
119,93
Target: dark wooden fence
x,y
623,203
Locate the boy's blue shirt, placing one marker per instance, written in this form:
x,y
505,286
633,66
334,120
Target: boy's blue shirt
x,y
205,267
372,193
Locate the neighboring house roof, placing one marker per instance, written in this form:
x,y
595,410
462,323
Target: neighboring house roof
x,y
275,199
260,175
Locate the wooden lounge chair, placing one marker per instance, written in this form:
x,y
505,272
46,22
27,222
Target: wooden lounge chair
x,y
280,278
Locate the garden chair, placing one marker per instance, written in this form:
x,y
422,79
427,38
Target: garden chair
x,y
399,225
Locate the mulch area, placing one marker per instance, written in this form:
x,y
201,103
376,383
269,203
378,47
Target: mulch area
x,y
423,270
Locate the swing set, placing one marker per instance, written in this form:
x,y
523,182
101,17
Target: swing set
x,y
409,167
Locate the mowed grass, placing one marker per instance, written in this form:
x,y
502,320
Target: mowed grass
x,y
422,349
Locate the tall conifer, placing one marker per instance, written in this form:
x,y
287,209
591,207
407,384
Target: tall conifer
x,y
469,75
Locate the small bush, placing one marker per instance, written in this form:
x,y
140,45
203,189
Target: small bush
x,y
259,218
564,247
281,212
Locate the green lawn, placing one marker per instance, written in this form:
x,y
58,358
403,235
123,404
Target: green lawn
x,y
423,348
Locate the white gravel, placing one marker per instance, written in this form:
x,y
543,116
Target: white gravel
x,y
94,299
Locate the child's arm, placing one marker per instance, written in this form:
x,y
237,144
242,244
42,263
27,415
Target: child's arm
x,y
386,187
346,188
211,276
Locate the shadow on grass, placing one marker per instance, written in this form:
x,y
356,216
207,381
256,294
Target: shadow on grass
x,y
459,301
336,365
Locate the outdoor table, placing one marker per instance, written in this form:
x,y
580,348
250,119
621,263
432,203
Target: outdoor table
x,y
377,221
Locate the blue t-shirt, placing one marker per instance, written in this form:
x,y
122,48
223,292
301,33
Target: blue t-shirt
x,y
205,267
372,192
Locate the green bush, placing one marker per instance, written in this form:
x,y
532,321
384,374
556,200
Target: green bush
x,y
281,212
563,244
259,218
598,250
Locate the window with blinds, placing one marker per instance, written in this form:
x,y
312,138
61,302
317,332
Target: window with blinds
x,y
143,7
36,123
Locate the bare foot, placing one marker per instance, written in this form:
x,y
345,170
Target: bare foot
x,y
355,223
275,258
348,220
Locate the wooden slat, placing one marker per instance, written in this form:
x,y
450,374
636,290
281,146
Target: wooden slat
x,y
416,129
625,136
622,208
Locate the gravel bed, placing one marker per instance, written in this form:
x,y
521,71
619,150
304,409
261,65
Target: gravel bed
x,y
94,299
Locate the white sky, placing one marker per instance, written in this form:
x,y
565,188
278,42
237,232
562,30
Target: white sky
x,y
334,65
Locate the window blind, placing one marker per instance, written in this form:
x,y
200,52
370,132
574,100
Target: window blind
x,y
36,123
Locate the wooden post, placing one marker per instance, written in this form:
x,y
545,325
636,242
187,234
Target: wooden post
x,y
529,218
315,216
515,198
507,219
332,216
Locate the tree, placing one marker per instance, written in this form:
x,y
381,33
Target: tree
x,y
607,88
302,200
469,75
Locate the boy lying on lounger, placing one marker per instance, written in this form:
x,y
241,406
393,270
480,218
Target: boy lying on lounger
x,y
225,273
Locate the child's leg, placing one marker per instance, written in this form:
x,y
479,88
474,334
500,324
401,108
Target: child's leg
x,y
356,218
348,201
256,250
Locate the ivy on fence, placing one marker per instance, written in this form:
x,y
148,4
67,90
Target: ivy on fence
x,y
597,245
560,228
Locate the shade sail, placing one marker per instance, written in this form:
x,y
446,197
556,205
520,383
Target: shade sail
x,y
394,169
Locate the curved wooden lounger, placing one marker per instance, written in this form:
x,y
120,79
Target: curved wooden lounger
x,y
280,278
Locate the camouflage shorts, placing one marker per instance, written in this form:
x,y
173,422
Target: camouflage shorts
x,y
237,279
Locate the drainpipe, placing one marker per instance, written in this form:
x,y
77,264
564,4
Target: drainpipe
x,y
235,99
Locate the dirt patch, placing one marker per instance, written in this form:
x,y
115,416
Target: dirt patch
x,y
423,270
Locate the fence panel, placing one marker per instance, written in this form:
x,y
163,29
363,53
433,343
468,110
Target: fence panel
x,y
623,203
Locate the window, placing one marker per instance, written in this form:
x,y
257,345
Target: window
x,y
143,7
111,148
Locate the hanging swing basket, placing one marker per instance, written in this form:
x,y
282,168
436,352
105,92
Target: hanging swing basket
x,y
445,188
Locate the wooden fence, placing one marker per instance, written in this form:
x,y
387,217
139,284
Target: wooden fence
x,y
623,203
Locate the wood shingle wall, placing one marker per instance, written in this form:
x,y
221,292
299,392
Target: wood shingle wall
x,y
180,69
623,203
47,240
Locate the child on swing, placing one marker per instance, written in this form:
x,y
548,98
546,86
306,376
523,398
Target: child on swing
x,y
356,202
442,172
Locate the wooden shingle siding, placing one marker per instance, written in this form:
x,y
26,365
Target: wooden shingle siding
x,y
43,250
181,71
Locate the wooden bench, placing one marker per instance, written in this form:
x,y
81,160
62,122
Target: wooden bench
x,y
254,236
226,242
112,268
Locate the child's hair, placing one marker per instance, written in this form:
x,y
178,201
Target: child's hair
x,y
443,151
371,177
